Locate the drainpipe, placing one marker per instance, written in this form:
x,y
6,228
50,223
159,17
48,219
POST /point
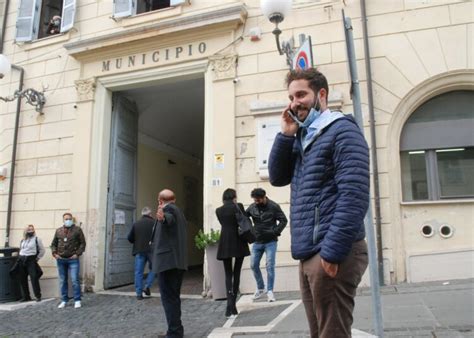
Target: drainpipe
x,y
4,24
15,133
373,148
12,167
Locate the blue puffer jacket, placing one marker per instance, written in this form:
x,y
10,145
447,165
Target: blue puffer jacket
x,y
329,189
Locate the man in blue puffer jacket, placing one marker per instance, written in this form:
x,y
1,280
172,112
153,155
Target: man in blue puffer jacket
x,y
325,157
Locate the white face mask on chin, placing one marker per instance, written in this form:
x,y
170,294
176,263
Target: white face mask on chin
x,y
312,115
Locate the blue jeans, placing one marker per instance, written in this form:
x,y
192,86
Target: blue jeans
x,y
269,249
69,267
140,261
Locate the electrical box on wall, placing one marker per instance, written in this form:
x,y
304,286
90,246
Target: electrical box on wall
x,y
267,129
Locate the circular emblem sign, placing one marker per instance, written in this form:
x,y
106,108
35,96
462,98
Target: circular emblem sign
x,y
302,60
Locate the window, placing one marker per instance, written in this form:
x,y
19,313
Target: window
x,y
38,19
437,149
123,8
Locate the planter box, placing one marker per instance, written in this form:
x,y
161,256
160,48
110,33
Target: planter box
x,y
215,269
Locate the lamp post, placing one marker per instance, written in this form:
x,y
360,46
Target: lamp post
x,y
34,98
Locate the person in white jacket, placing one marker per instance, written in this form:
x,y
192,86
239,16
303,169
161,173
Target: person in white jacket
x,y
31,251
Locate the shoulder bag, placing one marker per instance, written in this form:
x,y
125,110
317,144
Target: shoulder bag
x,y
39,271
246,230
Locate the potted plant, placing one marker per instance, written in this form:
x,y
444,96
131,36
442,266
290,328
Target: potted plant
x,y
203,240
215,268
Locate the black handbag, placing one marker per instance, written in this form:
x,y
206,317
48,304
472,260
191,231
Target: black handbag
x,y
39,271
246,230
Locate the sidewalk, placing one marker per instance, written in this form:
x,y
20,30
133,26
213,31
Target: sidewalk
x,y
431,310
417,310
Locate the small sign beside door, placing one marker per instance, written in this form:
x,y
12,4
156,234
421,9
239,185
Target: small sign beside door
x,y
119,216
219,161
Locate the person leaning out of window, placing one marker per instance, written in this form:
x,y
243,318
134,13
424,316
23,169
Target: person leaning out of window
x,y
31,251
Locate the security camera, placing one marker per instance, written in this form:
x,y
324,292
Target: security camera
x,y
236,80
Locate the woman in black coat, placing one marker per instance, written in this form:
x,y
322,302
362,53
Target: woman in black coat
x,y
231,246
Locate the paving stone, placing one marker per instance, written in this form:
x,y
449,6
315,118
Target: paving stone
x,y
420,310
110,316
259,317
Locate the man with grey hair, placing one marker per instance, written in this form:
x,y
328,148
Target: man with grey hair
x,y
140,237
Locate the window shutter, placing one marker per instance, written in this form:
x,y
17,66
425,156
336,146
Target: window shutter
x,y
67,18
177,2
123,8
27,13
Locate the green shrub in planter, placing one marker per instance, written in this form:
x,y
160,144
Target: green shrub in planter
x,y
203,240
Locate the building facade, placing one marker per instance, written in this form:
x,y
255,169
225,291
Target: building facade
x,y
187,95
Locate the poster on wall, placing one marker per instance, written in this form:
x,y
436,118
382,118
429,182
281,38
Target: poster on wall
x,y
219,161
119,216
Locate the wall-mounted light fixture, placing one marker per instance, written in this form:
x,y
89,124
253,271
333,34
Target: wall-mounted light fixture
x,y
32,96
276,11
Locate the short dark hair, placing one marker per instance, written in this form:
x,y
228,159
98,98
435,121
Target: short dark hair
x,y
258,193
67,214
315,78
229,194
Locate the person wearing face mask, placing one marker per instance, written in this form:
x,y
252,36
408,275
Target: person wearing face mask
x,y
31,251
269,221
54,25
325,157
67,246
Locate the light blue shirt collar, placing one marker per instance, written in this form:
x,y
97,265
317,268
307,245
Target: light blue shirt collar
x,y
321,122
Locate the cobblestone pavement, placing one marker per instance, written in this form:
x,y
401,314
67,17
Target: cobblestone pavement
x,y
431,310
109,316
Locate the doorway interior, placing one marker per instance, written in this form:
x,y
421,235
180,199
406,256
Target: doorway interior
x,y
157,142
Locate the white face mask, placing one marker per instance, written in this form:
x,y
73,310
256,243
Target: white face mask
x,y
68,223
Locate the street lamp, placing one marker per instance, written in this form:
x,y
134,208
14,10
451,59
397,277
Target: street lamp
x,y
32,96
275,11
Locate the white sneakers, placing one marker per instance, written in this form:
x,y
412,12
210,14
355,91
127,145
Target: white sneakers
x,y
259,293
270,296
77,304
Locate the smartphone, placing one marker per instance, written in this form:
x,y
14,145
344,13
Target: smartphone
x,y
293,116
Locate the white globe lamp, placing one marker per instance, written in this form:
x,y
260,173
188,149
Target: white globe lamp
x,y
5,66
275,10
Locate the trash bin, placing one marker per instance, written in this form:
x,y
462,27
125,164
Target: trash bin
x,y
9,287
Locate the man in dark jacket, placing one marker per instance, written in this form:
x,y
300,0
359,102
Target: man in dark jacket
x,y
140,236
67,246
325,157
170,258
269,221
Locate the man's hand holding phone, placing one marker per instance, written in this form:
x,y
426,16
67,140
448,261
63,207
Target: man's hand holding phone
x,y
160,215
289,127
